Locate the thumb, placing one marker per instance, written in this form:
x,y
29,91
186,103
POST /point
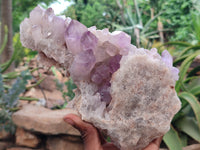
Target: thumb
x,y
155,144
88,132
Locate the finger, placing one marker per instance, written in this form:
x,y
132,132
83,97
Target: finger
x,y
154,145
109,146
101,136
89,133
158,141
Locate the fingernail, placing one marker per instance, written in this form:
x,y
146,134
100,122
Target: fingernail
x,y
71,122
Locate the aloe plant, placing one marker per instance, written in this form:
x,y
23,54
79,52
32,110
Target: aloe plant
x,y
5,40
9,98
172,139
186,123
134,26
9,94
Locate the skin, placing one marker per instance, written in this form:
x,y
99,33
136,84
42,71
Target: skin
x,y
93,140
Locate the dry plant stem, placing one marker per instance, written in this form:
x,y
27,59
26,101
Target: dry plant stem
x,y
43,93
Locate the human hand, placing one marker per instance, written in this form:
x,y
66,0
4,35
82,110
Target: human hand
x,y
93,140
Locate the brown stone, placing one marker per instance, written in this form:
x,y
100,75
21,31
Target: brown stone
x,y
58,75
197,59
21,103
25,138
48,83
44,120
4,145
54,98
4,135
50,103
35,92
192,147
64,143
21,148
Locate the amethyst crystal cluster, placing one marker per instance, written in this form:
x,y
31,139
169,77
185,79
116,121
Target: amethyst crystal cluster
x,y
126,92
97,54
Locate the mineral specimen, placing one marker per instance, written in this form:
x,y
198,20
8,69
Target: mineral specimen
x,y
125,91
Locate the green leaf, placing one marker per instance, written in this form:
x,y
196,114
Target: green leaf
x,y
1,87
194,81
18,87
194,71
70,86
5,40
195,90
123,28
184,139
28,99
184,68
9,62
189,126
130,17
195,47
172,140
155,32
53,69
196,26
36,84
147,25
188,79
194,103
178,43
13,93
11,75
180,114
179,59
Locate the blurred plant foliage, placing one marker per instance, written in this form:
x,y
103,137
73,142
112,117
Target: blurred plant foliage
x,y
9,94
22,51
8,99
22,8
67,89
177,16
186,123
153,18
100,13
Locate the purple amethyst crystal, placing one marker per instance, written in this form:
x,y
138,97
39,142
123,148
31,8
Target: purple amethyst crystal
x,y
82,65
104,91
88,41
114,63
121,40
168,60
73,35
100,74
122,89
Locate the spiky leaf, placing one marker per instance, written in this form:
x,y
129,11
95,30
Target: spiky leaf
x,y
189,126
192,100
172,140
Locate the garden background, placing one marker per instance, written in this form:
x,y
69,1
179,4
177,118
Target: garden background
x,y
164,24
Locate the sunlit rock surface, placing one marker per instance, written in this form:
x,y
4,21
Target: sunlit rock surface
x,y
124,91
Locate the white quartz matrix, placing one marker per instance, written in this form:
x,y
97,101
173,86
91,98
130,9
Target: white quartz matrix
x,y
126,92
